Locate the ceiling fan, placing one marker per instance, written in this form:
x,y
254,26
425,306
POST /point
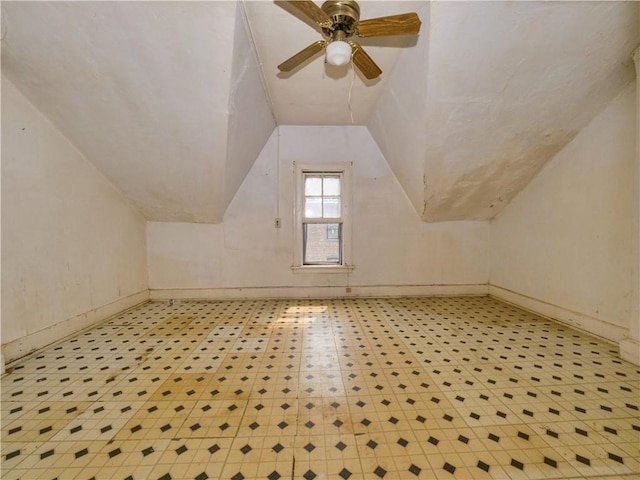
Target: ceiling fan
x,y
339,21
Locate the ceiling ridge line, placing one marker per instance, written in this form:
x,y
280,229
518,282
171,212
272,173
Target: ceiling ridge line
x,y
263,80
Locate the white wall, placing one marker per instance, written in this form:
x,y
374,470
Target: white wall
x,y
73,251
393,251
563,246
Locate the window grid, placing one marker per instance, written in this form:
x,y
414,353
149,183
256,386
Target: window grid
x,y
322,219
323,197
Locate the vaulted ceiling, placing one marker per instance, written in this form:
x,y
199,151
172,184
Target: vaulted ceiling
x,y
173,101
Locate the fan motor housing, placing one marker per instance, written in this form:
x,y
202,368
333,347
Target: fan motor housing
x,y
345,15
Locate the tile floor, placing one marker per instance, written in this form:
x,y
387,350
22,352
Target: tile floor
x,y
339,389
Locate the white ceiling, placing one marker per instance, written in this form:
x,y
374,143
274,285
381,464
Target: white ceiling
x,y
173,101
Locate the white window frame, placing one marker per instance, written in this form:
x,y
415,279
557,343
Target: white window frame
x,y
344,170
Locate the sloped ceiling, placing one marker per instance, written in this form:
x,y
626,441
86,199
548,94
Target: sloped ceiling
x,y
172,101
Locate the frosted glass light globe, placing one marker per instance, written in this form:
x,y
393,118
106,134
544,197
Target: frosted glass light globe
x,y
338,53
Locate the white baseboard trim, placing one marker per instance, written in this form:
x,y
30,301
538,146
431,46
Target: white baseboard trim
x,y
577,320
630,350
242,293
16,349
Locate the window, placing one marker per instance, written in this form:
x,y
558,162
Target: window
x,y
322,217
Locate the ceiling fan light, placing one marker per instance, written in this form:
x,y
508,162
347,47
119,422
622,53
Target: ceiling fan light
x,y
338,53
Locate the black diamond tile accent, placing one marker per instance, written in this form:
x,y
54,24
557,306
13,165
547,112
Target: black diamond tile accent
x,y
463,439
13,454
46,454
579,431
385,402
165,427
449,468
340,446
282,425
246,449
82,453
277,448
551,433
180,450
523,435
224,426
274,475
202,476
254,425
415,469
309,475
335,404
551,462
482,466
380,472
372,444
366,422
194,427
615,458
582,459
238,476
115,452
284,406
79,427
517,464
433,441
309,424
402,442
421,419
610,430
166,476
338,423
309,447
147,451
213,448
493,437
474,416
393,420
344,473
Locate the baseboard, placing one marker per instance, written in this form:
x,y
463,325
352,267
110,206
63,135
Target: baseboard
x,y
577,320
16,349
630,350
356,291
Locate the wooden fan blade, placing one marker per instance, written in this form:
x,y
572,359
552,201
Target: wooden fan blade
x,y
302,56
403,24
364,62
311,10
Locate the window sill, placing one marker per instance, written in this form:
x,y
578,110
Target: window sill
x,y
322,268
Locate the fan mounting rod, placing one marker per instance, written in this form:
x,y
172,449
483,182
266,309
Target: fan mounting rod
x,y
345,15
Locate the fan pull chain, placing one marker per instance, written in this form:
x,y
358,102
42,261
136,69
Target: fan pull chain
x,y
353,77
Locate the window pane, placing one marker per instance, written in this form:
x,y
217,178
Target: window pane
x,y
313,186
331,186
313,207
322,243
331,207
